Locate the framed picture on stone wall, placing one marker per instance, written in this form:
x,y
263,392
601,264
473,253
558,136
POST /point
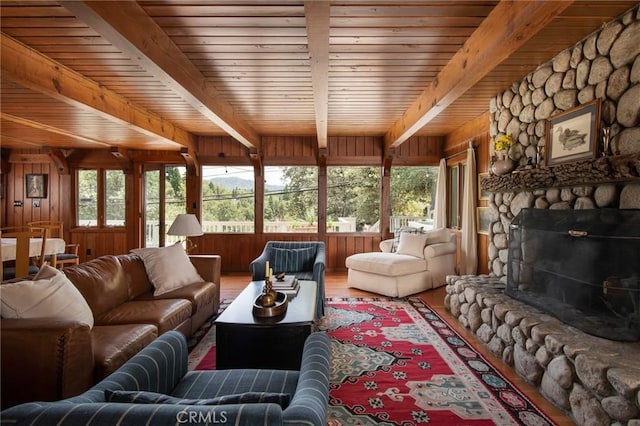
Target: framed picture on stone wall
x,y
573,135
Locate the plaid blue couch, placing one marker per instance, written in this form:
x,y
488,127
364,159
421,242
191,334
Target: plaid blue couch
x,y
304,259
161,368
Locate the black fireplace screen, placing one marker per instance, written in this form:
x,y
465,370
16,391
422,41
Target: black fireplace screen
x,y
582,266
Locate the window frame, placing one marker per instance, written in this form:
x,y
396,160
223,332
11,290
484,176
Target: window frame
x,y
101,198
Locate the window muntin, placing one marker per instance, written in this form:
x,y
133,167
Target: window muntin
x,y
228,199
291,199
413,191
353,199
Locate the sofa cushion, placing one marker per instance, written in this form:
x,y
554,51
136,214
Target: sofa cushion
x,y
145,397
209,384
293,259
101,281
135,275
168,268
199,294
165,314
113,345
390,264
412,244
50,295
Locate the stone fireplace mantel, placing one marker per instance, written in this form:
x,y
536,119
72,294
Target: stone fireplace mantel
x,y
618,168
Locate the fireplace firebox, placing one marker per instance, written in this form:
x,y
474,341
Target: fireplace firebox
x,y
582,266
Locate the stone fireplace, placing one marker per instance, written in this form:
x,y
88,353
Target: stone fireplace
x,y
581,266
594,379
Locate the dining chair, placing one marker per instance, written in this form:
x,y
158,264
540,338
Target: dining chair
x,y
25,263
56,230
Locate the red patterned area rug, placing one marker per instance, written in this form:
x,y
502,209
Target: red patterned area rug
x,y
396,362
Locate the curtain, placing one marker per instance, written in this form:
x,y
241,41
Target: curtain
x,y
469,249
440,210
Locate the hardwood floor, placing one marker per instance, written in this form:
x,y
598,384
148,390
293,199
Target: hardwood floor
x,y
336,286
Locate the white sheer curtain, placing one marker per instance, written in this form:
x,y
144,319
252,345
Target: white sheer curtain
x,y
469,249
440,210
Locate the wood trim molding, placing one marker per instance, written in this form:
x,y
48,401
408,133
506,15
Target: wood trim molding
x,y
122,156
58,159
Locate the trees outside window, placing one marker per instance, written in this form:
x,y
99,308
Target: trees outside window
x,y
353,199
412,196
164,199
87,205
115,211
100,197
291,199
228,199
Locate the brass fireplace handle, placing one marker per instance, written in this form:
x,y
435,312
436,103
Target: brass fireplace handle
x,y
575,233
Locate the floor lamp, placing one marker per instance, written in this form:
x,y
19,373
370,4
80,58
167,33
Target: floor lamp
x,y
186,225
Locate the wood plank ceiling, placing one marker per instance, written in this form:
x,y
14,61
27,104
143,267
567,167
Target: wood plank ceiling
x,y
158,74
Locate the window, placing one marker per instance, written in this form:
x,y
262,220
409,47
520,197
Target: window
x,y
101,198
228,199
115,210
353,199
291,199
413,192
87,197
455,191
163,201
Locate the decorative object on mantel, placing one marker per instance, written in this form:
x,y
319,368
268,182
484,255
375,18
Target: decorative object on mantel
x,y
573,134
614,168
502,164
269,303
606,140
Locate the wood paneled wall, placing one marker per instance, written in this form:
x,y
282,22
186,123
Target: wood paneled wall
x,y
16,208
455,147
237,250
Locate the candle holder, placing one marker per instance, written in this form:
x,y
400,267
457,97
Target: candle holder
x,y
270,303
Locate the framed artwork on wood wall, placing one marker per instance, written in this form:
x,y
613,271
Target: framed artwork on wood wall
x,y
573,135
36,185
482,193
483,220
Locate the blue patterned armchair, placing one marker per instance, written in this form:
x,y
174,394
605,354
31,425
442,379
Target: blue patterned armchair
x,y
155,388
304,259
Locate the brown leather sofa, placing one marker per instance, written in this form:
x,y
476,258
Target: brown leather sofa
x,y
49,360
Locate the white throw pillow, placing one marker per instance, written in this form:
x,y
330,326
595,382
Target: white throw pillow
x,y
50,295
412,244
168,268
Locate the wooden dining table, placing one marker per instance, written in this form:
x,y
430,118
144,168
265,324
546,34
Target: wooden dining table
x,y
8,248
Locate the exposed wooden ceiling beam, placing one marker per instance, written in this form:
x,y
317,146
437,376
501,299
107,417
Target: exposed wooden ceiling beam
x,y
37,72
126,25
50,129
317,14
507,28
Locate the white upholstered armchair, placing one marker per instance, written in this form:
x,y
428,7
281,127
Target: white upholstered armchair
x,y
410,263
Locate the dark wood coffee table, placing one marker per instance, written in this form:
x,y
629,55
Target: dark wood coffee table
x,y
246,341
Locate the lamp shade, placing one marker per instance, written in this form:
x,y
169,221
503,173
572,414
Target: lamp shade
x,y
186,225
